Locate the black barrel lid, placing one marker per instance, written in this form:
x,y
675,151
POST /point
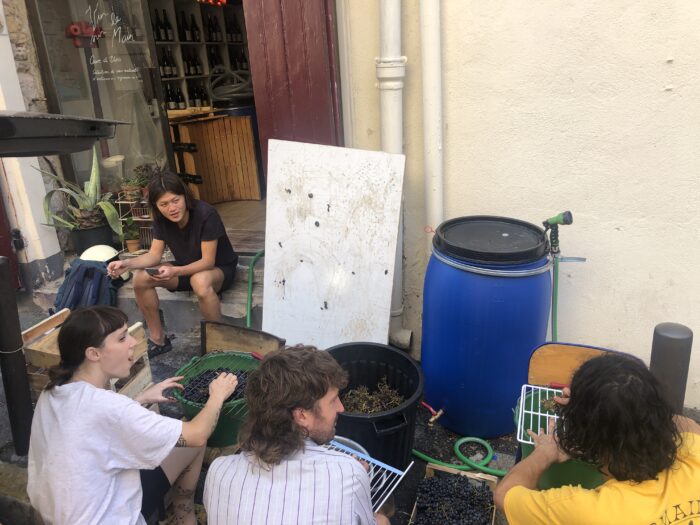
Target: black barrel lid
x,y
491,240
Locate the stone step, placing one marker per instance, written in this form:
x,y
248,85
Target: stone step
x,y
180,309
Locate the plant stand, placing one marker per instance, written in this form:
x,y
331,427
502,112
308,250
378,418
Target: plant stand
x,y
137,209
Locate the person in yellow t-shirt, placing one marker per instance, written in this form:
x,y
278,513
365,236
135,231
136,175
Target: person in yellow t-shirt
x,y
614,416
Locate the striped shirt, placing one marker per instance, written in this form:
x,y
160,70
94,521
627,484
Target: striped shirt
x,y
314,485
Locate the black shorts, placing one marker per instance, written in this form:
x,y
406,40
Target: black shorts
x,y
183,282
155,486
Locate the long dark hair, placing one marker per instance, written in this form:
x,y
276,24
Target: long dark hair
x,y
617,417
83,328
165,182
296,377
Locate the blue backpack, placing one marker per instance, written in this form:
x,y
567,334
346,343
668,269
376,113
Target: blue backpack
x,y
86,284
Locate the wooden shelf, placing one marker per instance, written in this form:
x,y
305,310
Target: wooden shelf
x,y
189,112
226,52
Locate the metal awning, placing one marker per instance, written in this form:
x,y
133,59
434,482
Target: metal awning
x,y
32,134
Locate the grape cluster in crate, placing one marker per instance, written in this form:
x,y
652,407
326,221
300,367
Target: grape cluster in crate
x,y
453,499
197,389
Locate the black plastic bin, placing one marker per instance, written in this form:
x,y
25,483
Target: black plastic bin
x,y
388,436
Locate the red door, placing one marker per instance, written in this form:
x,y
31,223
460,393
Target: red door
x,y
293,61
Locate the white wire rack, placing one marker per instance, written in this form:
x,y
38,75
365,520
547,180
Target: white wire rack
x,y
383,478
532,415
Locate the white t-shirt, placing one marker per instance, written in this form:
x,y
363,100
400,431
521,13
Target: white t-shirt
x,y
85,452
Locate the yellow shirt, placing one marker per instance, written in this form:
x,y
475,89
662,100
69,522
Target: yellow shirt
x,y
673,499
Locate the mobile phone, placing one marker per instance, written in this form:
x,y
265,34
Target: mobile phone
x,y
152,271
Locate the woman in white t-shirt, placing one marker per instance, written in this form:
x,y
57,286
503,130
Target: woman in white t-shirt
x,y
92,450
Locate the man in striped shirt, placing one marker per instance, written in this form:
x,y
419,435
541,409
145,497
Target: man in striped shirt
x,y
284,475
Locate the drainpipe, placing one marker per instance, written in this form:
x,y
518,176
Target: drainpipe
x,y
432,113
391,70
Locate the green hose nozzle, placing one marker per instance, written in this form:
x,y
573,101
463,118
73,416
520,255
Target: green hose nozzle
x,y
563,218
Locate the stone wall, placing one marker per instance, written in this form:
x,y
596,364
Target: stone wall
x,y
26,60
29,74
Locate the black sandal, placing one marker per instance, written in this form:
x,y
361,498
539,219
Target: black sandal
x,y
154,350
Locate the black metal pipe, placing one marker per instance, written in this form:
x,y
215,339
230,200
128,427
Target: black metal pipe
x,y
670,359
12,363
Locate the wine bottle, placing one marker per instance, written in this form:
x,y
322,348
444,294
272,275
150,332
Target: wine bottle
x,y
170,97
211,58
185,33
185,63
161,65
196,97
180,100
204,95
229,30
164,66
210,29
194,29
236,30
198,65
217,30
159,33
168,27
173,66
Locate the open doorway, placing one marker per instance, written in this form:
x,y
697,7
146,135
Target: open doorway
x,y
291,53
204,85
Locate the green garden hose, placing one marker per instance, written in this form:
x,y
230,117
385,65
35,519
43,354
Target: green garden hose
x,y
251,273
555,297
468,463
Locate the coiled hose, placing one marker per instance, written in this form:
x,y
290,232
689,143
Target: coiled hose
x,y
468,463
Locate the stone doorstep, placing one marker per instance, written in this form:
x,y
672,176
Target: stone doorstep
x,y
180,309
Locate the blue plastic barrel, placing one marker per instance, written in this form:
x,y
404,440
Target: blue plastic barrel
x,y
486,302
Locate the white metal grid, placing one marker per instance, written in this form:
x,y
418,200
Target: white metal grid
x,y
383,478
531,414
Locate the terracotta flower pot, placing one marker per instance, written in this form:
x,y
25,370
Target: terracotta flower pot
x,y
133,245
131,193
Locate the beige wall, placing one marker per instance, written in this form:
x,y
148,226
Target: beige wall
x,y
548,106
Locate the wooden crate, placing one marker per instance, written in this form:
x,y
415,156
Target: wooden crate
x,y
216,336
225,157
41,352
41,341
430,470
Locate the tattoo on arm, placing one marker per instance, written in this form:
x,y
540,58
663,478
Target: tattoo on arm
x,y
181,442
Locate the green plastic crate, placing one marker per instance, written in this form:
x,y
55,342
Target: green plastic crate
x,y
233,412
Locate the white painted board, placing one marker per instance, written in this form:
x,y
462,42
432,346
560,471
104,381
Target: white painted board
x,y
330,242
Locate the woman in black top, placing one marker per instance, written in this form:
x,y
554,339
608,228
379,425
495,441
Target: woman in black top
x,y
205,261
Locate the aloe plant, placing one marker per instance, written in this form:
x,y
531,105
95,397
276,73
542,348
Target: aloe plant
x,y
88,208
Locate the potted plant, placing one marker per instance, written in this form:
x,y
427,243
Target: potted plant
x,y
142,175
132,237
89,215
131,188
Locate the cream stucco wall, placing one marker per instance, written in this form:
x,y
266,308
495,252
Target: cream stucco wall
x,y
592,107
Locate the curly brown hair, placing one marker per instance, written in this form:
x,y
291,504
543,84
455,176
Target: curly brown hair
x,y
618,417
296,377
